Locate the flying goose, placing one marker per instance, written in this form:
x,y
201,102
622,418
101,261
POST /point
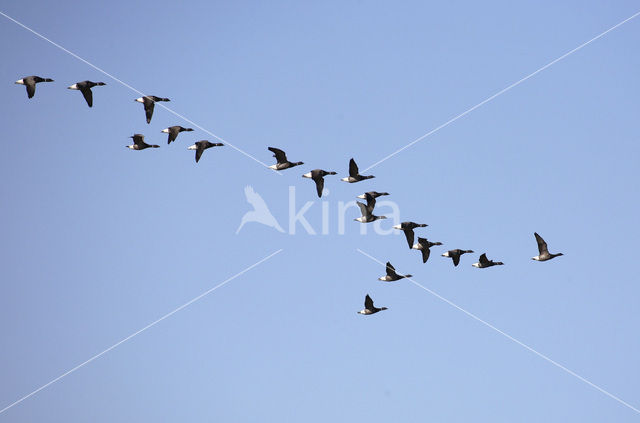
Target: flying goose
x,y
318,177
30,83
354,175
369,308
425,246
173,132
149,102
281,158
407,228
139,144
200,146
367,210
374,194
392,275
455,255
85,89
543,250
485,262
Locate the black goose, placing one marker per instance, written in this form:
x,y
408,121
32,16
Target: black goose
x,y
173,132
281,158
30,83
369,308
200,146
455,255
484,262
354,174
392,275
407,228
318,177
85,89
425,246
374,194
367,210
543,250
149,102
139,144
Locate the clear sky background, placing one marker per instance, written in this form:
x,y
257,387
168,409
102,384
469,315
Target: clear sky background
x,y
97,241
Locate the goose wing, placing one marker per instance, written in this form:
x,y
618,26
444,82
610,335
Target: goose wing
x,y
319,180
199,150
391,271
88,95
368,303
542,246
173,134
280,155
363,209
353,168
149,104
483,259
31,87
456,258
371,202
425,254
410,236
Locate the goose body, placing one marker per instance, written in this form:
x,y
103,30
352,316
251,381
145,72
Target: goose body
x,y
173,132
149,102
200,146
281,159
30,83
139,144
369,307
407,228
455,255
374,194
424,246
354,174
484,262
543,250
85,88
318,177
392,275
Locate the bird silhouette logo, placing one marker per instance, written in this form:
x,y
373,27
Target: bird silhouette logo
x,y
260,212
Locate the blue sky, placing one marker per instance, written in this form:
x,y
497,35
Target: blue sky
x,y
98,241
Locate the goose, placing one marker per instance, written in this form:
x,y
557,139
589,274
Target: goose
x,y
149,102
407,228
369,308
425,246
85,88
139,144
392,275
354,175
173,132
367,211
200,146
484,262
543,251
318,177
30,83
281,158
455,255
374,194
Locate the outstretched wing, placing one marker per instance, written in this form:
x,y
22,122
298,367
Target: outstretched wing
x,y
148,108
542,246
319,185
410,236
483,259
456,259
368,303
139,140
353,168
425,254
199,151
391,271
363,209
173,134
88,96
371,202
31,88
280,155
